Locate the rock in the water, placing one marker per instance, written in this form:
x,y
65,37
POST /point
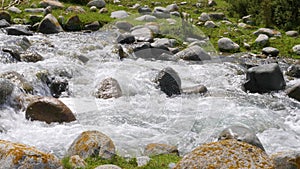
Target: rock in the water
x,y
97,3
146,18
73,24
5,15
267,31
169,81
241,133
262,40
143,34
292,33
77,162
125,38
94,26
6,89
49,25
18,80
293,71
270,51
123,25
49,110
4,23
264,78
194,53
227,45
294,92
18,31
52,3
15,155
119,14
286,160
226,154
108,166
296,49
30,57
92,144
108,88
154,149
199,89
14,9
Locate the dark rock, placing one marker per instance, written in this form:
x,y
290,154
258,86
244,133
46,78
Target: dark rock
x,y
264,78
108,88
52,3
5,15
4,23
49,25
172,8
94,26
92,144
293,71
169,81
163,43
217,16
270,51
125,38
119,14
30,57
199,89
73,24
14,53
154,54
49,110
140,46
57,85
18,80
194,53
204,17
286,160
34,10
143,34
6,89
211,3
97,3
47,10
123,25
294,92
33,19
161,12
18,31
154,149
144,10
241,133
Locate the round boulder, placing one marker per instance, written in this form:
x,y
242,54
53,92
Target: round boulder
x,y
92,144
49,110
226,154
154,149
108,88
227,45
169,81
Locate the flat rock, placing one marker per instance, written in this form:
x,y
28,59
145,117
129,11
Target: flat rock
x,y
227,45
18,31
292,33
267,31
52,3
270,51
34,10
119,14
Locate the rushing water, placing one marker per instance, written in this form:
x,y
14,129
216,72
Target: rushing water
x,y
144,114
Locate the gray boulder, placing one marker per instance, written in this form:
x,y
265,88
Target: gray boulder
x,y
49,25
296,49
14,9
52,3
73,24
294,92
194,53
143,34
293,71
204,17
119,14
292,33
227,45
264,78
5,15
241,133
262,40
146,18
18,31
4,23
267,31
94,26
270,51
125,38
6,89
169,82
123,25
108,88
97,3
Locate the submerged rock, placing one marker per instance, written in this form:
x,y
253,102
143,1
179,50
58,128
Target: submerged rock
x,y
169,81
49,25
108,88
92,144
15,155
226,154
49,110
154,149
199,89
30,57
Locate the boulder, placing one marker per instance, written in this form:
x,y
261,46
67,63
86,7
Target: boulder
x,y
108,88
227,45
296,49
146,18
108,166
94,26
34,10
262,40
267,31
292,33
73,24
286,160
210,24
6,89
217,16
172,8
204,17
15,155
270,51
18,31
123,25
199,89
125,38
161,12
241,133
193,53
14,9
5,15
294,92
77,162
144,10
226,154
29,56
154,149
49,110
119,14
293,71
163,43
92,144
49,25
103,10
18,80
75,9
52,3
264,78
169,81
97,3
4,23
93,9
143,34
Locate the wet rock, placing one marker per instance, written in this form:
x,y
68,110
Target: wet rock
x,y
210,24
226,154
34,10
33,19
241,133
144,10
15,155
204,17
123,25
154,149
217,16
194,53
267,31
6,89
49,110
14,53
227,45
18,31
169,81
108,88
119,14
293,71
143,34
108,166
286,160
296,49
53,3
4,23
75,9
264,78
94,26
97,3
199,89
49,25
292,33
77,162
125,38
30,57
262,40
146,18
18,80
142,161
14,9
5,15
73,24
270,51
294,92
172,8
92,144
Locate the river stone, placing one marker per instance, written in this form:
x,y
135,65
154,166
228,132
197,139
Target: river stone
x,y
5,15
210,24
241,133
49,110
262,40
293,71
92,144
94,26
144,10
227,45
108,166
14,9
226,154
49,25
169,81
294,92
119,14
123,25
194,53
217,16
75,9
296,49
264,78
125,38
6,89
77,162
108,88
172,8
34,10
146,18
292,33
270,51
204,17
4,23
73,24
286,160
57,86
143,34
18,31
52,3
30,57
18,80
16,155
267,31
199,89
154,149
97,3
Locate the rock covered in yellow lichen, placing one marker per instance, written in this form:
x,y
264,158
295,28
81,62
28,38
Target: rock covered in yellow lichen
x,y
77,162
14,155
92,143
226,154
153,149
